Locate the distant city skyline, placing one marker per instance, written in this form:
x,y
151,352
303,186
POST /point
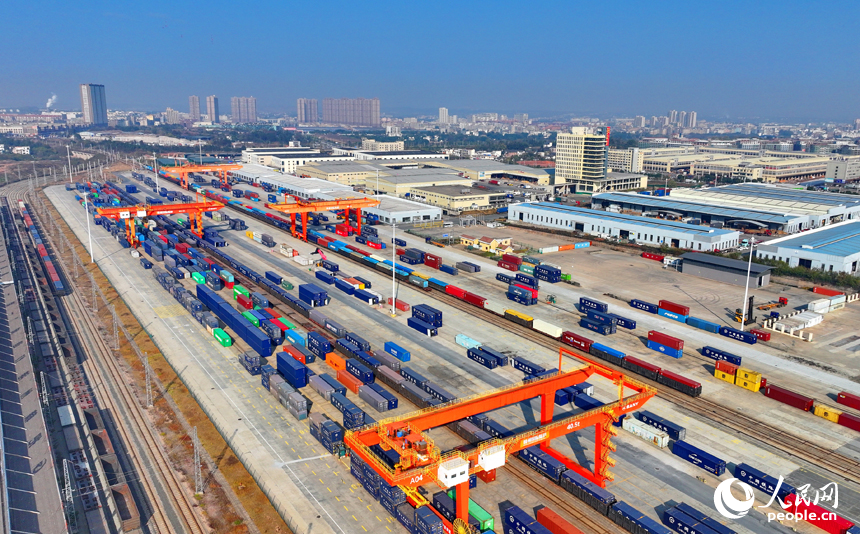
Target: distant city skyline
x,y
725,60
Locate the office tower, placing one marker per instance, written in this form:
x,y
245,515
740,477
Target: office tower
x,y
581,157
682,119
691,119
639,121
673,116
243,109
93,103
352,111
212,109
443,115
655,121
194,108
857,124
307,111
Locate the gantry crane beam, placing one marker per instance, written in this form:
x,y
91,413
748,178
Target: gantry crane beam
x,y
420,465
129,213
302,207
184,170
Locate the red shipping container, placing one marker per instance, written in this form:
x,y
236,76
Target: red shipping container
x,y
848,399
487,476
281,325
474,300
675,308
575,340
555,523
789,397
297,355
533,291
208,262
349,380
377,246
432,261
229,285
340,232
182,248
513,259
815,515
507,265
244,301
651,256
456,291
643,364
400,251
849,421
760,334
726,367
272,312
763,382
827,292
680,379
663,339
164,239
400,305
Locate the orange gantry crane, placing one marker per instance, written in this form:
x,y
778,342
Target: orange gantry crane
x,y
184,170
421,462
129,213
302,207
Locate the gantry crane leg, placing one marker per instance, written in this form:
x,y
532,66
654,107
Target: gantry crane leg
x,y
462,503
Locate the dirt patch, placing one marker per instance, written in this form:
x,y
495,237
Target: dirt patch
x,y
217,507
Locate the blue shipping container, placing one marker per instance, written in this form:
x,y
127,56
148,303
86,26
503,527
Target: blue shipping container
x,y
675,431
397,351
734,333
719,354
590,304
672,315
698,457
669,351
707,326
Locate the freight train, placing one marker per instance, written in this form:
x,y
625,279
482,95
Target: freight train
x,y
58,282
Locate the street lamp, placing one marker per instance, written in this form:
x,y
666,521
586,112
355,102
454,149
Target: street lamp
x,y
394,265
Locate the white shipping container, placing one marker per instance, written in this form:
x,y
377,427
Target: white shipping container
x,y
135,253
835,307
377,258
836,299
548,249
494,307
646,432
820,305
547,328
303,260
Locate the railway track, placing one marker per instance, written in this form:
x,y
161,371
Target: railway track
x,y
744,424
585,518
154,464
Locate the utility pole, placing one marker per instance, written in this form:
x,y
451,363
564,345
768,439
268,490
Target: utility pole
x,y
394,263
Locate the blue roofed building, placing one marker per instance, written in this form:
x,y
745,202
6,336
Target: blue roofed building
x,y
833,248
644,230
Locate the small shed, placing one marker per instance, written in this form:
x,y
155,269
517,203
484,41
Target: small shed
x,y
724,269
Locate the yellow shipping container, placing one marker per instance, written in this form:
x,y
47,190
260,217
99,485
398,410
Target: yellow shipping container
x,y
746,384
748,375
249,234
831,414
724,376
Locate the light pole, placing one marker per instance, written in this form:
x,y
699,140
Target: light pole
x,y
69,155
155,167
747,286
393,279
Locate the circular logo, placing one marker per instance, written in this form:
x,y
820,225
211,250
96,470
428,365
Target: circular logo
x,y
727,505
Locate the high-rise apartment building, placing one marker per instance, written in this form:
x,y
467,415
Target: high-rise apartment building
x,y
581,157
307,111
170,116
93,103
691,120
352,111
673,116
682,119
212,109
194,108
443,115
639,121
243,109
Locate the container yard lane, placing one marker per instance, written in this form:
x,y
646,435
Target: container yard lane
x,y
645,476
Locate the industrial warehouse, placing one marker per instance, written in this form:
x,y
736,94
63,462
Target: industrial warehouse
x,y
643,230
834,248
752,207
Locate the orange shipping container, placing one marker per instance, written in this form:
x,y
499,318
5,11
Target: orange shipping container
x,y
566,247
349,380
335,361
726,367
273,312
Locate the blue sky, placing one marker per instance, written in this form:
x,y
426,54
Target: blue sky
x,y
753,59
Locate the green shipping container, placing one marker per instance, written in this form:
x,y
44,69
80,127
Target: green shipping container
x,y
239,289
484,519
286,323
565,276
199,278
286,285
222,337
527,268
253,320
